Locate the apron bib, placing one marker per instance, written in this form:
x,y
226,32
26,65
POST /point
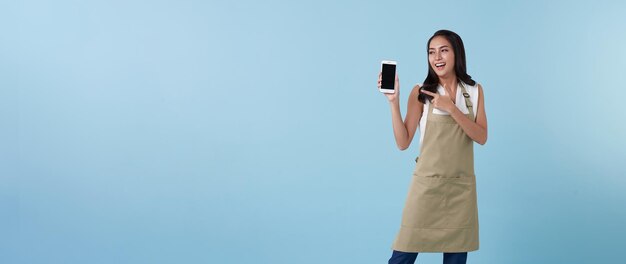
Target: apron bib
x,y
441,212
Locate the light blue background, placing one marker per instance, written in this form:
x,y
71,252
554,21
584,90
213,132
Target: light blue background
x,y
252,131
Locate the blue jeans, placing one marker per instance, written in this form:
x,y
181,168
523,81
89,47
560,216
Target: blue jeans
x,y
398,257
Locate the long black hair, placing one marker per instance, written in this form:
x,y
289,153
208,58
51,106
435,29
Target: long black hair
x,y
460,68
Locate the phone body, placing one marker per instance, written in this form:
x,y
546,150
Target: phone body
x,y
387,84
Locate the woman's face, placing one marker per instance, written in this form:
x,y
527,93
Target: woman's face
x,y
441,56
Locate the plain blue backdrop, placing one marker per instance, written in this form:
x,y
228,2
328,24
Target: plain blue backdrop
x,y
253,132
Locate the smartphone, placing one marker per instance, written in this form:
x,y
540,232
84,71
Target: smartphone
x,y
387,84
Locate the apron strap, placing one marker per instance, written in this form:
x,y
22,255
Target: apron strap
x,y
468,102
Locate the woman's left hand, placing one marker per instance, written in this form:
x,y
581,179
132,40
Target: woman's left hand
x,y
441,102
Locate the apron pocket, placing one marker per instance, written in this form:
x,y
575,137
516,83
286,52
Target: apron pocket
x,y
440,203
461,202
424,207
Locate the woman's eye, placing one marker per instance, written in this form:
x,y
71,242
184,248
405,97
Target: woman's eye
x,y
431,52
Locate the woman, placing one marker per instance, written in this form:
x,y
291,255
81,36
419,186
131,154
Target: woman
x,y
441,212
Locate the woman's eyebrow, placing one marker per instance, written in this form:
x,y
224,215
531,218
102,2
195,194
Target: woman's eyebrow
x,y
444,46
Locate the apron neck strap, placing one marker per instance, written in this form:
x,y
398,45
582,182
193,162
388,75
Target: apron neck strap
x,y
468,102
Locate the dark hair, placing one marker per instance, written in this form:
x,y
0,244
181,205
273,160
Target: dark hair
x,y
460,68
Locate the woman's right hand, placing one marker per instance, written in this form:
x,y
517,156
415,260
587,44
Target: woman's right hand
x,y
392,97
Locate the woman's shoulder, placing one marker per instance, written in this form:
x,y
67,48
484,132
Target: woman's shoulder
x,y
475,86
416,88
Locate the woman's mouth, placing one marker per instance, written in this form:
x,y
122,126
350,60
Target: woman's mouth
x,y
440,65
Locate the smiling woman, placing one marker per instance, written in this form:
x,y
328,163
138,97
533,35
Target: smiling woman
x,y
441,211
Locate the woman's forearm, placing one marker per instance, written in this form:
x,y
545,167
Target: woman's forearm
x,y
399,128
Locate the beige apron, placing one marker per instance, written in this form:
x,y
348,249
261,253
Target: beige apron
x,y
441,212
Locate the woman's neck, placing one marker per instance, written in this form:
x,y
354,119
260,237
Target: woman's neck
x,y
448,82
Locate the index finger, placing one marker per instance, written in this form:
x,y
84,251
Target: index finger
x,y
427,92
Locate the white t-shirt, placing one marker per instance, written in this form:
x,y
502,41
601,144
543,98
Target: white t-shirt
x,y
460,104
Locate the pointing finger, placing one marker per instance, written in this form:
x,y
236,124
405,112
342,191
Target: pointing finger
x,y
427,92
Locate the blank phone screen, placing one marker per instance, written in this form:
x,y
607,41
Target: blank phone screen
x,y
389,75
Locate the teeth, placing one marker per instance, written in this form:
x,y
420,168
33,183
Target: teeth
x,y
440,64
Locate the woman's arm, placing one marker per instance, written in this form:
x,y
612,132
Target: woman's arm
x,y
477,131
403,131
